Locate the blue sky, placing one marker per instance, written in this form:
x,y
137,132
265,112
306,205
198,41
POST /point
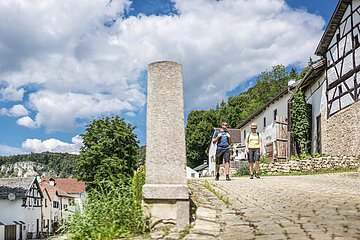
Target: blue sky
x,y
66,62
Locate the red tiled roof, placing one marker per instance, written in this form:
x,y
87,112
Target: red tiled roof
x,y
235,134
68,185
53,191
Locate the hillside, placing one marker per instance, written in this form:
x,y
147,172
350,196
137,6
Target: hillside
x,y
46,164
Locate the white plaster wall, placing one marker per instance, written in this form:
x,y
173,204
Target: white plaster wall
x,y
316,96
190,172
212,158
2,232
268,132
12,211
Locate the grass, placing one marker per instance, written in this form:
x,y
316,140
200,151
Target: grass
x,y
113,210
208,186
185,231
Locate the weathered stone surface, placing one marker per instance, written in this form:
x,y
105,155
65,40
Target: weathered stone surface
x,y
166,195
340,132
311,165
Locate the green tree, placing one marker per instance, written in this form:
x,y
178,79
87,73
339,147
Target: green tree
x,y
300,122
198,131
109,152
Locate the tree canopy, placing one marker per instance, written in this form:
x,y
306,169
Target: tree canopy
x,y
110,151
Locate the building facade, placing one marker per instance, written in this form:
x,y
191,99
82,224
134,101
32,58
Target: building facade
x,y
340,48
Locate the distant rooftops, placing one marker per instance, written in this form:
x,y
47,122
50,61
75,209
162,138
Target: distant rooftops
x,y
17,186
68,185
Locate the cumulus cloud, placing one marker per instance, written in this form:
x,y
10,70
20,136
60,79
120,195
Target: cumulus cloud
x,y
79,68
26,122
17,110
11,93
52,145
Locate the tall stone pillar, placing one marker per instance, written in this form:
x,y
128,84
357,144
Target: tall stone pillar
x,y
166,196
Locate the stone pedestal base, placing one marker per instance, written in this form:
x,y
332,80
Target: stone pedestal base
x,y
167,204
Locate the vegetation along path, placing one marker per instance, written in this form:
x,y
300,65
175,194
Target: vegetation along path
x,y
325,206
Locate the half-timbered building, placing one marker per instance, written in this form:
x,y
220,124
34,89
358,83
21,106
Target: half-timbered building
x,y
20,204
340,47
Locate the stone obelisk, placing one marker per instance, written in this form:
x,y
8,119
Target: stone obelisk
x,y
166,196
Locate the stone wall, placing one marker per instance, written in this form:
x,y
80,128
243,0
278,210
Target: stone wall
x,y
311,165
341,132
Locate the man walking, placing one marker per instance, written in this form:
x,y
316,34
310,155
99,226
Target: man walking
x,y
223,140
253,149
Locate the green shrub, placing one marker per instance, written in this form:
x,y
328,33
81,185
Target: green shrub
x,y
264,159
109,213
243,170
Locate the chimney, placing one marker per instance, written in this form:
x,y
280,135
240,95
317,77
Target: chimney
x,y
52,182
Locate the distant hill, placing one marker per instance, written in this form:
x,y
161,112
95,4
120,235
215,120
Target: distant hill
x,y
46,164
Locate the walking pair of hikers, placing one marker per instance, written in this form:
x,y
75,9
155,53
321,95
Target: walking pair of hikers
x,y
253,146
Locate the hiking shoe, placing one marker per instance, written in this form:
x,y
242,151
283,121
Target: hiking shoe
x,y
217,177
257,175
227,178
251,176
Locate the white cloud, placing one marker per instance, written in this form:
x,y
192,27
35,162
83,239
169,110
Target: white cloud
x,y
53,145
11,93
6,150
78,68
26,122
17,110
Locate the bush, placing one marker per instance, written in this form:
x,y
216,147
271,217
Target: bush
x,y
243,170
110,212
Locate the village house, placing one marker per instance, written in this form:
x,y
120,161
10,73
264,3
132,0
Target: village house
x,y
339,116
71,186
57,206
272,121
20,204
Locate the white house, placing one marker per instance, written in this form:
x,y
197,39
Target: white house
x,y
235,137
271,120
191,173
57,206
20,204
71,186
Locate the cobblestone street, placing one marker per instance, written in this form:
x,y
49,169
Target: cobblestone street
x,y
323,206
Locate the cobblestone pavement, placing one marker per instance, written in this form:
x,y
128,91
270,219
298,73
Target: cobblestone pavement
x,y
325,206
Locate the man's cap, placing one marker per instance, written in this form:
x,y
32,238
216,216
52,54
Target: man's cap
x,y
253,125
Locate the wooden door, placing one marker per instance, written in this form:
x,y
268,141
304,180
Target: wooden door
x,y
281,141
10,232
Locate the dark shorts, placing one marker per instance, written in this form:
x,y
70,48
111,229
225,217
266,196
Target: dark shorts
x,y
253,155
222,154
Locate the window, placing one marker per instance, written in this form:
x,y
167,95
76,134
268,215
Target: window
x,y
56,204
45,202
356,41
340,90
264,121
65,206
192,175
24,202
275,114
244,133
338,37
